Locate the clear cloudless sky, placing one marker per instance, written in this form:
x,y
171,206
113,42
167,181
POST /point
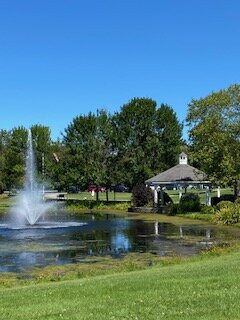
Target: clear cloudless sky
x,y
62,58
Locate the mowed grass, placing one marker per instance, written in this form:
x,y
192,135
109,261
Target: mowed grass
x,y
202,289
127,196
119,196
174,194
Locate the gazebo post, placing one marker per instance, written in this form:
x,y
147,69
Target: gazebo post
x,y
208,196
180,192
156,228
219,192
155,195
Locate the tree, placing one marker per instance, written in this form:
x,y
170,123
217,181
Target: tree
x,y
214,132
88,150
4,137
15,158
42,145
147,141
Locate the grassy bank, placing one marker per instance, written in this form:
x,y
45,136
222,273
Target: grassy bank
x,y
206,287
5,204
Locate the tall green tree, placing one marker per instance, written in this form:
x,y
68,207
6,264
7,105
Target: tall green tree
x,y
214,133
15,158
42,145
4,138
147,141
88,150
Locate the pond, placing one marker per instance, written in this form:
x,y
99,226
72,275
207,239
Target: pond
x,y
89,235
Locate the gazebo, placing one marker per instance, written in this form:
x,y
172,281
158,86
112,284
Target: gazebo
x,y
180,176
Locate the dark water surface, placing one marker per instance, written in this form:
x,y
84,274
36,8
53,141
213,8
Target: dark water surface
x,y
67,240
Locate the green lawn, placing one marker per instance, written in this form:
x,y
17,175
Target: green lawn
x,y
207,288
119,196
174,194
127,196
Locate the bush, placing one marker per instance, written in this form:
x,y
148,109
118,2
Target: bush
x,y
225,205
227,212
173,209
237,202
227,215
207,210
189,202
141,195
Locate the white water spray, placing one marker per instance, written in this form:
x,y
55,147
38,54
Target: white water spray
x,y
31,205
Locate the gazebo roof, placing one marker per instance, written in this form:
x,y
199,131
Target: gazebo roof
x,y
182,173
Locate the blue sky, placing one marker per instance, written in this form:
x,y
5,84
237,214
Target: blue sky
x,y
61,58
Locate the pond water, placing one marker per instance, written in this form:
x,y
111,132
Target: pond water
x,y
64,241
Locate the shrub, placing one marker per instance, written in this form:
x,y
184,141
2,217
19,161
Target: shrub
x,y
237,202
228,215
189,202
207,210
141,195
225,205
173,209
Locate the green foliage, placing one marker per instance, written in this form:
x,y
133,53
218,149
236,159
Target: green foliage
x,y
225,205
142,195
173,209
237,202
227,212
14,157
147,140
42,145
89,150
207,209
227,215
214,123
189,202
80,205
126,147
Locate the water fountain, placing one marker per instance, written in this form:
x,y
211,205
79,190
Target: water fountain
x,y
30,206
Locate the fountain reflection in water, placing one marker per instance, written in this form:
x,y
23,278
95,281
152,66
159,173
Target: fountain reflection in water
x,y
30,206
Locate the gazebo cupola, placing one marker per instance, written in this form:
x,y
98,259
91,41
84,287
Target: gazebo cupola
x,y
183,159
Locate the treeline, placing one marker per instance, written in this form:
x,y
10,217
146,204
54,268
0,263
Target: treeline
x,y
127,147
131,145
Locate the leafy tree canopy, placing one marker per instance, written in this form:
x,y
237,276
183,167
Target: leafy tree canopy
x,y
214,132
